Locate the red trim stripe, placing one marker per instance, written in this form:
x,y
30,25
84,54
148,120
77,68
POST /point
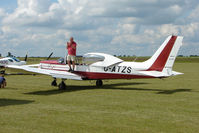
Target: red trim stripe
x,y
51,62
94,75
160,62
98,75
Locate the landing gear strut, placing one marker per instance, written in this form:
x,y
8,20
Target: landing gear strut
x,y
99,83
62,85
54,83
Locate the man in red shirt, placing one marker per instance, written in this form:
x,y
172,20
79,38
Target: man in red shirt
x,y
71,47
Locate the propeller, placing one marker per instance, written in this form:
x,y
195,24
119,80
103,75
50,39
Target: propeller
x,y
50,56
26,57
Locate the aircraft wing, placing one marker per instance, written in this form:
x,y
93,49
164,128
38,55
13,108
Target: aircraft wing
x,y
53,73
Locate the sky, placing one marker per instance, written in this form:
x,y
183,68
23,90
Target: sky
x,y
117,27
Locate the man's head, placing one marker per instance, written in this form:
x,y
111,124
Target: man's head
x,y
71,39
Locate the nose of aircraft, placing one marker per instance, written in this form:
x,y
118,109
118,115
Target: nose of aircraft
x,y
23,62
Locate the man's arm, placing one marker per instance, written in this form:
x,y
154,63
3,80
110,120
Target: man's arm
x,y
74,46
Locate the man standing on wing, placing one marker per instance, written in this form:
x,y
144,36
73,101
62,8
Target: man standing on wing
x,y
71,47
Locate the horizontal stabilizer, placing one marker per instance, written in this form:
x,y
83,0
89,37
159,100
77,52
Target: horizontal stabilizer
x,y
158,74
174,73
155,74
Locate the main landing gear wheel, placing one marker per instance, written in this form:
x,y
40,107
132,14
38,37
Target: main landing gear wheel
x,y
62,86
54,83
99,83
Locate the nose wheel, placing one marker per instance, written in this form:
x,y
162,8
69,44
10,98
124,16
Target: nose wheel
x,y
99,83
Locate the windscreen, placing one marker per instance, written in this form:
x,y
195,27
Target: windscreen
x,y
15,59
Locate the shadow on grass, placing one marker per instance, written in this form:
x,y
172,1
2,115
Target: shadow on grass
x,y
8,88
108,87
173,91
73,88
8,102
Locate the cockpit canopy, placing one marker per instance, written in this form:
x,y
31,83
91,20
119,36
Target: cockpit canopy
x,y
15,59
12,59
86,59
92,58
101,59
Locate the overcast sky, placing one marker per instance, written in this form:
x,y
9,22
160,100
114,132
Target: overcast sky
x,y
118,27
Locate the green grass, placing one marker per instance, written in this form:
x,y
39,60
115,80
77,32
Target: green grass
x,y
30,104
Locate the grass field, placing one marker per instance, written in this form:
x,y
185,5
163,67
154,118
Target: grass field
x,y
30,105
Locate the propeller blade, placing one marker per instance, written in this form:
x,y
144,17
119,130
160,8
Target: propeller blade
x,y
26,57
50,56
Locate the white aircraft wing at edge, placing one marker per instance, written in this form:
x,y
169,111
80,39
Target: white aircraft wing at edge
x,y
53,73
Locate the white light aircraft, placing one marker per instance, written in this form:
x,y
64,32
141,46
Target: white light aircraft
x,y
11,61
100,66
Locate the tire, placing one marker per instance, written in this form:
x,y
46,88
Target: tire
x,y
54,83
62,86
99,83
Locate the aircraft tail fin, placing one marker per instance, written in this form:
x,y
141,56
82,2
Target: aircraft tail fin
x,y
165,56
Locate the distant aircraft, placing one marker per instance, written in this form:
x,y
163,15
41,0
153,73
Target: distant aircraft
x,y
11,61
99,66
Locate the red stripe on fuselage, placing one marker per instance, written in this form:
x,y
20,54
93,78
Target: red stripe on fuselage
x,y
98,75
160,62
51,62
94,75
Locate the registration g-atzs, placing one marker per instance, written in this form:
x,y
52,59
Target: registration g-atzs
x,y
118,69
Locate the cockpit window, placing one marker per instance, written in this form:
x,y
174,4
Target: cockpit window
x,y
16,59
10,60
